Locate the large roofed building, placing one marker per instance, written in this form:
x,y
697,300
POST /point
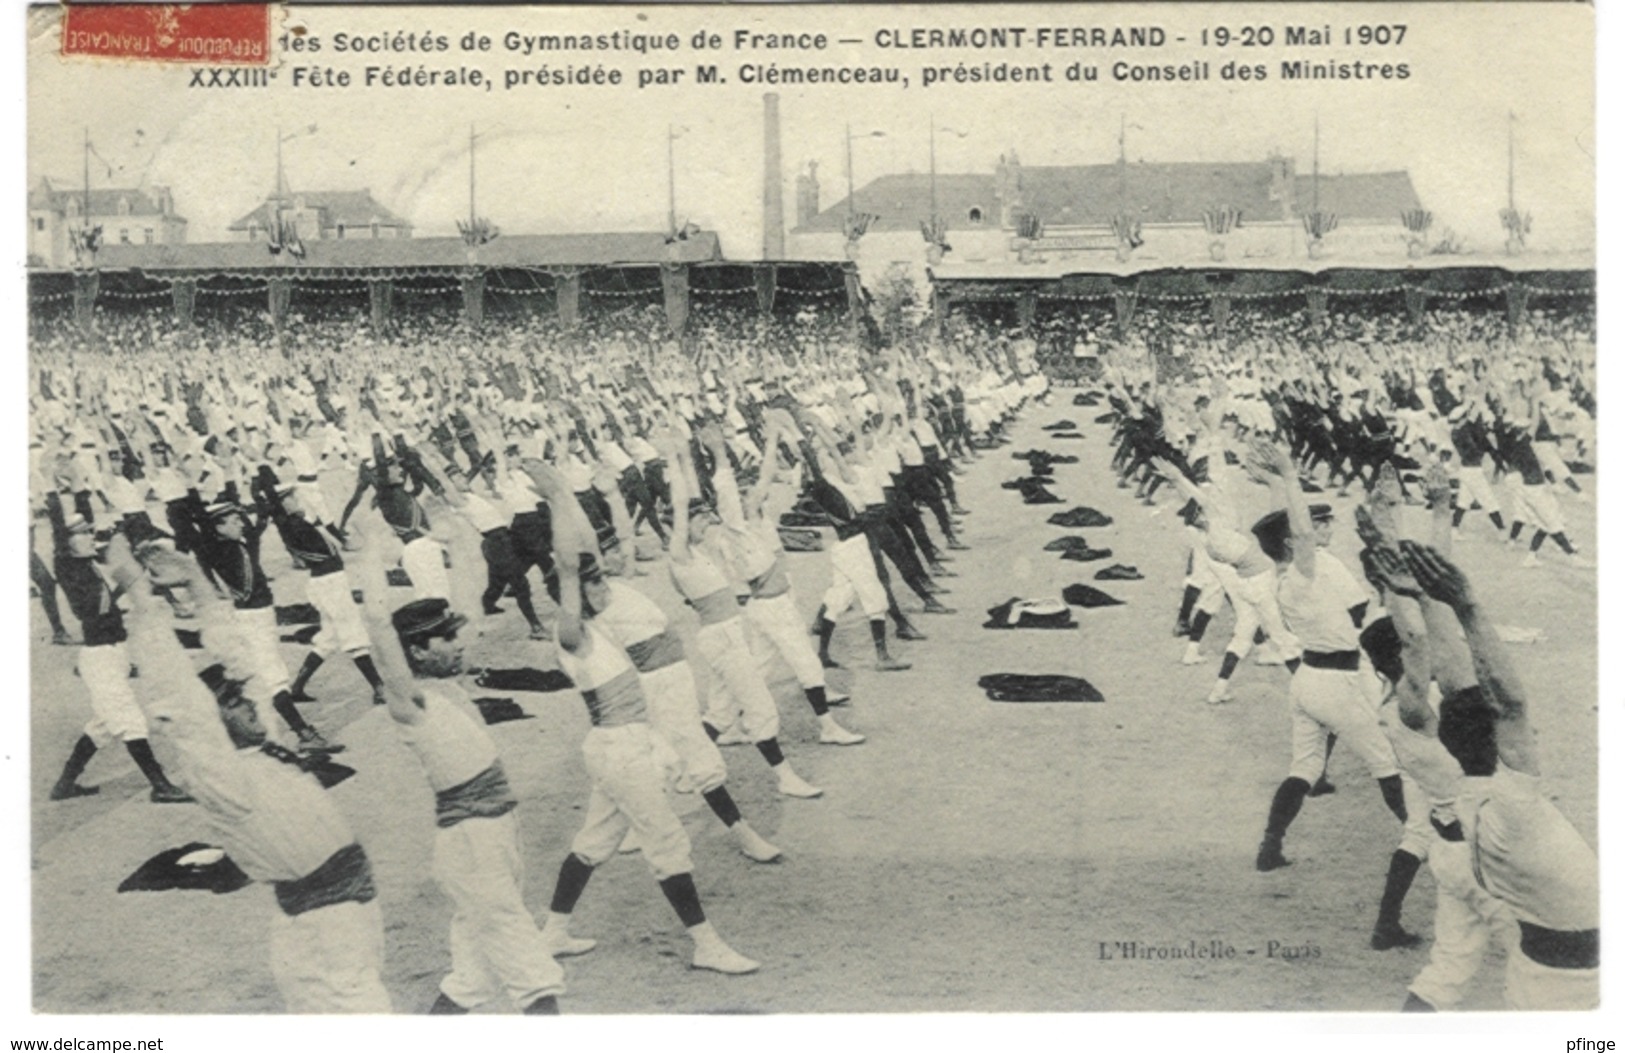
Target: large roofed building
x,y
127,216
1074,207
322,215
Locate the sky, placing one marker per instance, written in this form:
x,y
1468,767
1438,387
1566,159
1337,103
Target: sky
x,y
577,159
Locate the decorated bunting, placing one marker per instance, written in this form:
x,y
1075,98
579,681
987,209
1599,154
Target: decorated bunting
x,y
473,289
183,294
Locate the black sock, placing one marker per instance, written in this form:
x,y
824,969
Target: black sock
x,y
1500,524
722,803
684,899
877,629
141,753
313,662
1331,744
1285,807
1517,528
283,704
826,633
1292,664
1456,516
1228,666
1562,540
1259,636
1402,868
1538,540
573,877
363,662
1199,626
1393,795
1569,482
771,752
818,699
78,760
710,731
1187,602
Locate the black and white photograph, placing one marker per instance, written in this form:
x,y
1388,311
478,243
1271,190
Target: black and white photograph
x,y
809,511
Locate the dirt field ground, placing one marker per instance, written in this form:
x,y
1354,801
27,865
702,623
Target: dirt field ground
x,y
972,856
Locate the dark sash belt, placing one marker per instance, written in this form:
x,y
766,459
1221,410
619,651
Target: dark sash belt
x,y
346,877
1346,661
1559,949
485,796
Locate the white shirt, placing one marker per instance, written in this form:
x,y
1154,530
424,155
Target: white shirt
x,y
1526,853
1317,609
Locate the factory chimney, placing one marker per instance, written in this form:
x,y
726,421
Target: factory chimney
x,y
772,181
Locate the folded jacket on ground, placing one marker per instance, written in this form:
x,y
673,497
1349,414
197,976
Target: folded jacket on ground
x,y
1038,687
298,614
523,679
398,578
1060,425
1119,572
1088,596
206,868
1016,613
1081,516
798,539
500,710
303,635
1066,435
1087,555
1067,543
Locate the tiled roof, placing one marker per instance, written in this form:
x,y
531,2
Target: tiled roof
x,y
103,202
1366,195
353,208
1089,195
523,250
903,202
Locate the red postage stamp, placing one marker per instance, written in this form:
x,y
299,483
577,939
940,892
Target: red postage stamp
x,y
215,34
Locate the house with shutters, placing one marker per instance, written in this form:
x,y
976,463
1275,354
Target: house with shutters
x,y
323,215
126,215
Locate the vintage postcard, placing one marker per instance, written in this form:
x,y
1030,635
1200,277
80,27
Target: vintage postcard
x,y
810,509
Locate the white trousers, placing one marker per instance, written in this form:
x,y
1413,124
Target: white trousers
x,y
735,689
105,669
674,714
774,629
342,628
629,791
1534,986
1334,700
1476,488
1256,606
425,563
1465,919
327,960
853,578
495,945
260,640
